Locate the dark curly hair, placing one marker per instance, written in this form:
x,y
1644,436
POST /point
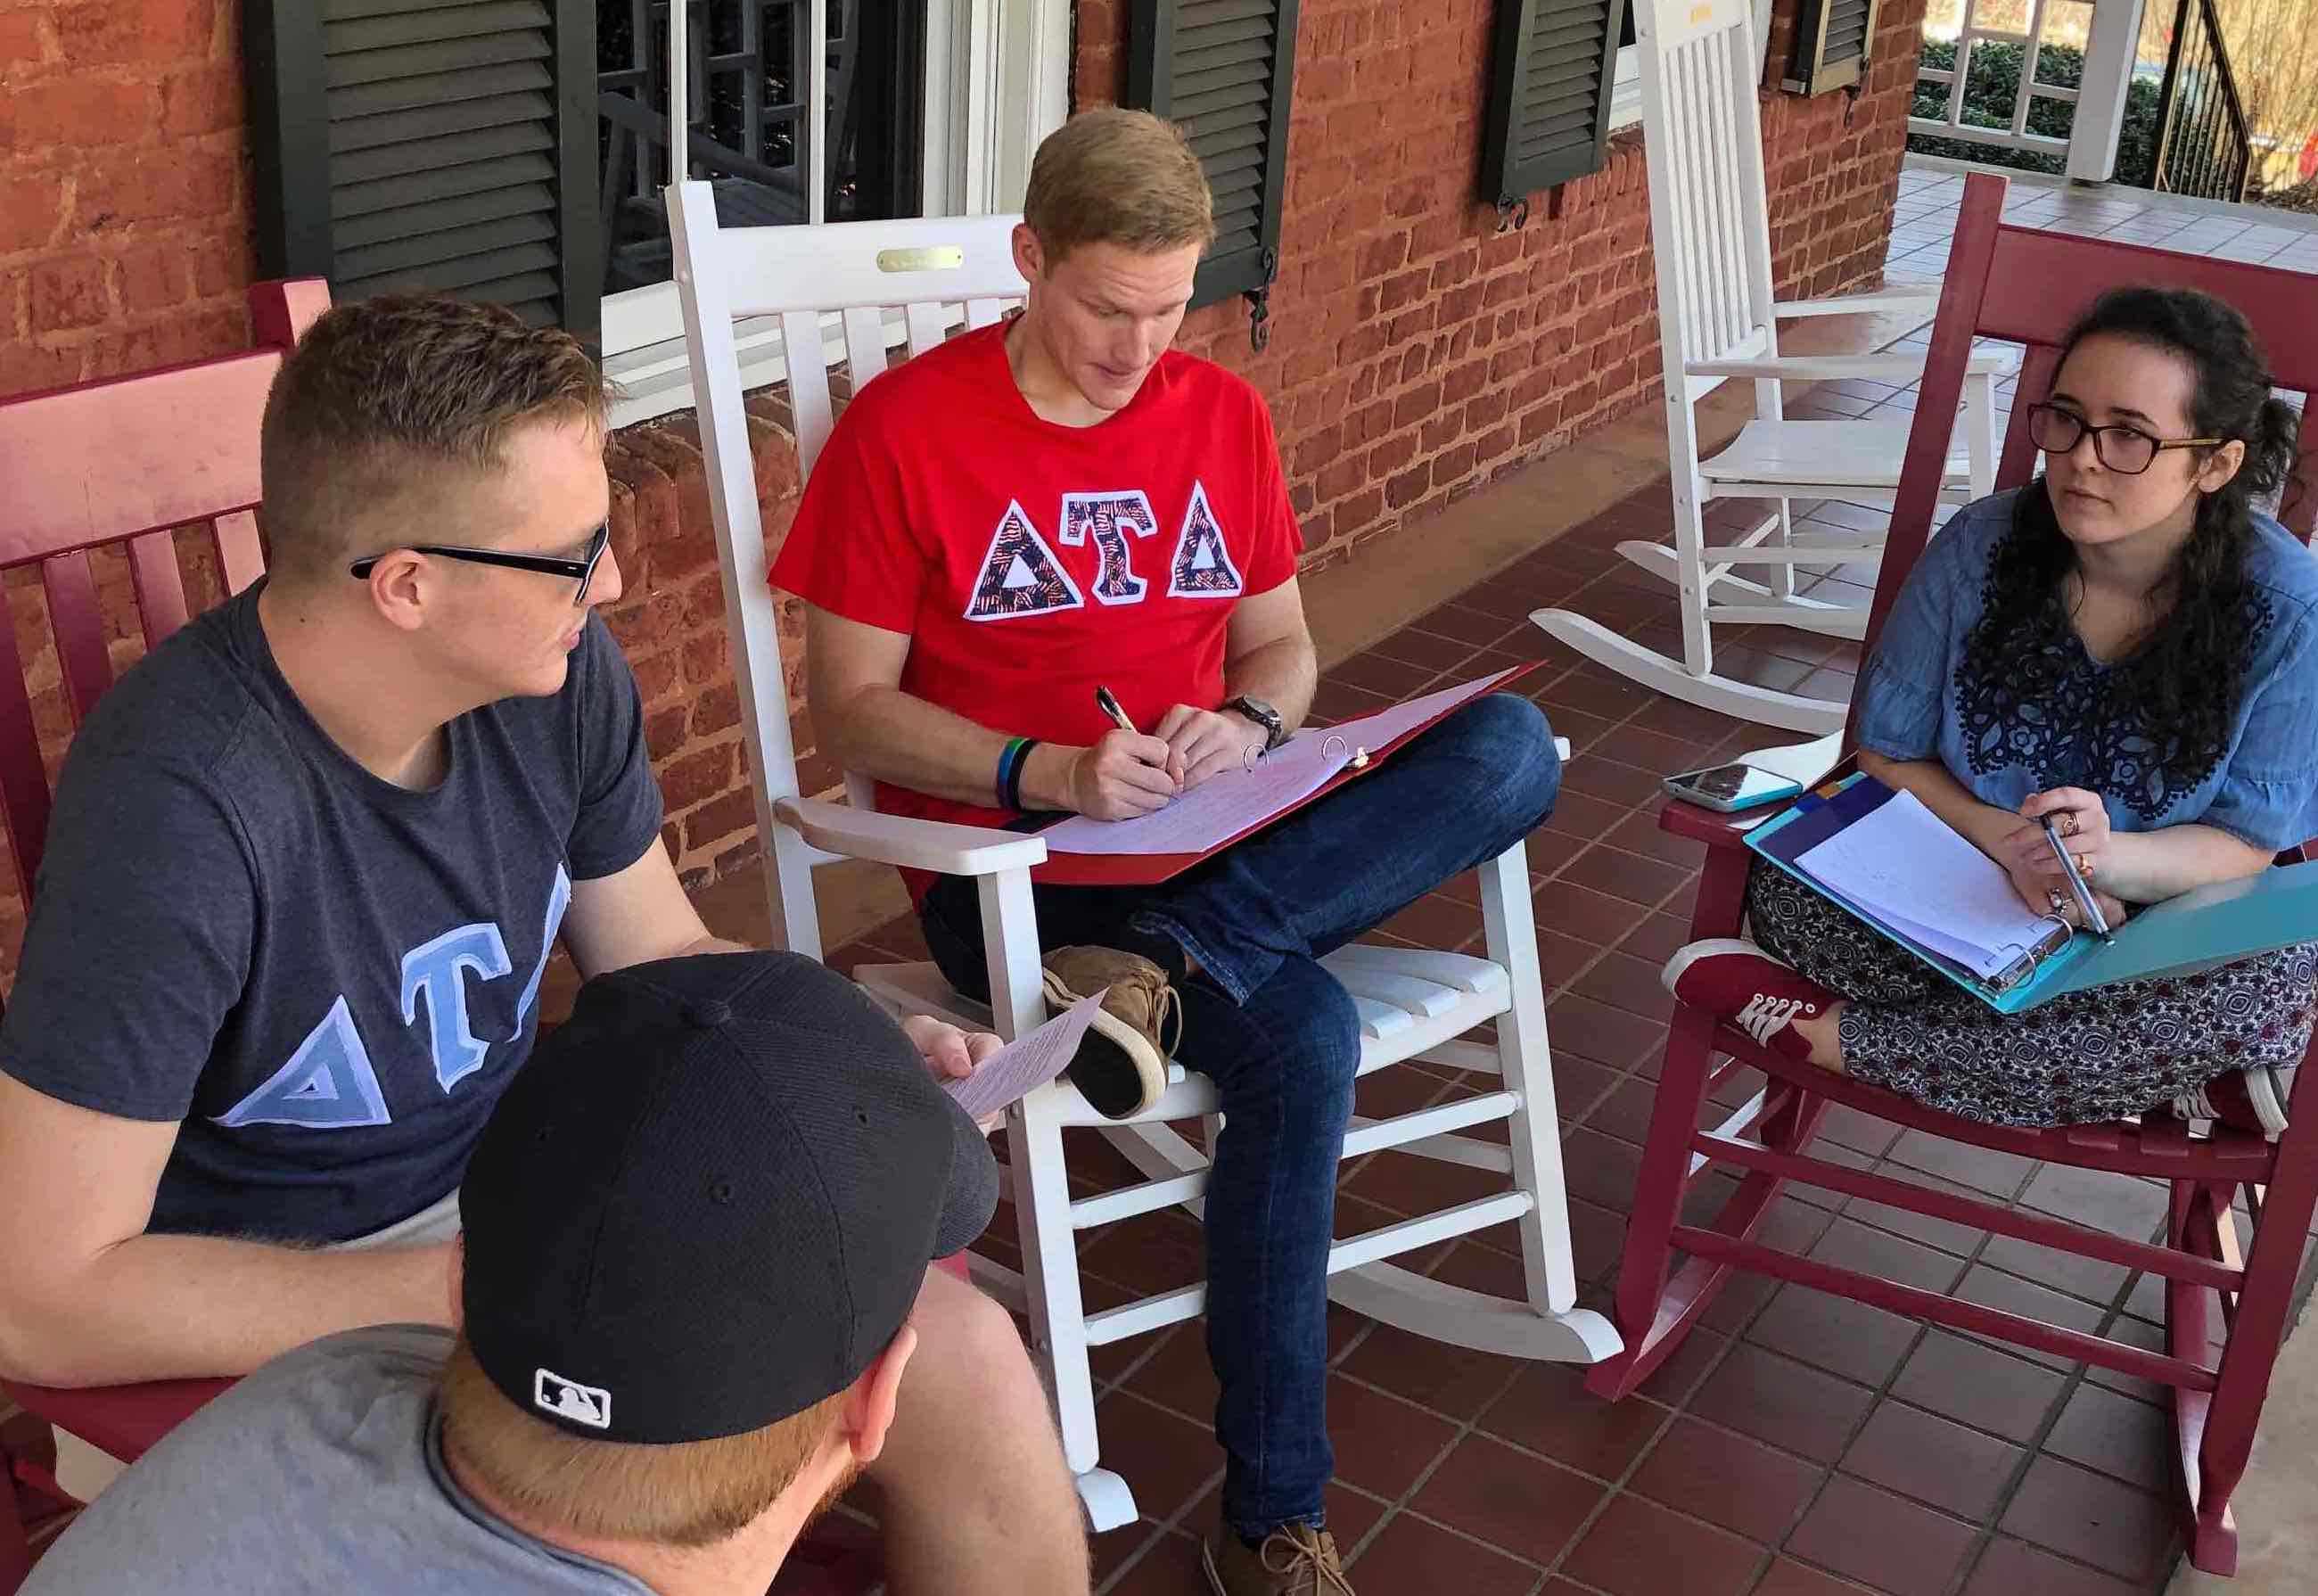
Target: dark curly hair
x,y
2181,682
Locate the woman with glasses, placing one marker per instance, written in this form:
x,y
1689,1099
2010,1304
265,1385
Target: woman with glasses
x,y
2128,647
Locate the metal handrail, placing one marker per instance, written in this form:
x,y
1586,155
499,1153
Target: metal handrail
x,y
2205,145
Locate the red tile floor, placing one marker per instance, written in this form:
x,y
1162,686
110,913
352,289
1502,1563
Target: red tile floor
x,y
1794,1446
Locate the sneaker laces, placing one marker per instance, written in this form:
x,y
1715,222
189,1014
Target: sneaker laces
x,y
1303,1550
2194,1105
1765,1014
1167,1019
1164,1004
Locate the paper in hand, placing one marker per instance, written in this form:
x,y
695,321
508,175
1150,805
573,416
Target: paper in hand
x,y
1027,1063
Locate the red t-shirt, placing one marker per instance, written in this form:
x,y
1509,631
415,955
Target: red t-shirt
x,y
1030,562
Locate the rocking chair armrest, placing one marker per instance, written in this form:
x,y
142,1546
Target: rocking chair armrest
x,y
1718,830
1901,366
1926,300
907,843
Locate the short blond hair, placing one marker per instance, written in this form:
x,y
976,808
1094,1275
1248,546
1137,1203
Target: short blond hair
x,y
688,1493
1115,176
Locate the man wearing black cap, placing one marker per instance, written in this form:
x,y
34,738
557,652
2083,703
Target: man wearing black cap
x,y
695,1226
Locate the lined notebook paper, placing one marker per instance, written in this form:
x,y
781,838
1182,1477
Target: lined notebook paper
x,y
1231,801
1908,868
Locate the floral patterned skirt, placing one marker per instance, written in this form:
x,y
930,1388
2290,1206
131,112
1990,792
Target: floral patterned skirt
x,y
2083,1056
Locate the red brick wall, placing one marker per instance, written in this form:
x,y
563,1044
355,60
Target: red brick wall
x,y
124,191
1415,351
670,622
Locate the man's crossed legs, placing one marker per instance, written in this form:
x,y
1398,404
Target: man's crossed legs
x,y
1241,935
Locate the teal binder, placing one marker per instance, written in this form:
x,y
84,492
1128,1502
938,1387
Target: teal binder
x,y
2199,929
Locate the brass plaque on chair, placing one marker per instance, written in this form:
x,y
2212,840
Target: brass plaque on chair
x,y
926,257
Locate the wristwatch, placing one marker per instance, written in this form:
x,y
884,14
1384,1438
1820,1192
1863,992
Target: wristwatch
x,y
1275,731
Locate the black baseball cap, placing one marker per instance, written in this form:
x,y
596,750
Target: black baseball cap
x,y
708,1199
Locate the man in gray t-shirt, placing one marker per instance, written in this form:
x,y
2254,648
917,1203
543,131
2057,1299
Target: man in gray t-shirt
x,y
306,863
686,1320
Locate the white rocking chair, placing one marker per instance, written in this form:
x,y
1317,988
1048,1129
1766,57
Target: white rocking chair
x,y
1718,320
1413,1004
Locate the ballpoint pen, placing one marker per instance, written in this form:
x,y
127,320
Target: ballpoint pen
x,y
1102,695
2094,920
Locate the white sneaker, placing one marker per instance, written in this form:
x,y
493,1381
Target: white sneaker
x,y
2244,1099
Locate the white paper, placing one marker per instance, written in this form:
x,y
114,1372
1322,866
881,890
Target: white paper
x,y
1215,811
1232,802
1027,1063
1906,865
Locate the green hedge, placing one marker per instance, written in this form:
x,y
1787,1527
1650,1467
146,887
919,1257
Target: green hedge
x,y
1989,95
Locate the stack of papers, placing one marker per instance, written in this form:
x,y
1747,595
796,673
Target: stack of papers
x,y
1905,866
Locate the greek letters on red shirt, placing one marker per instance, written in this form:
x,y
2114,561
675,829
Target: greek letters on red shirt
x,y
1029,562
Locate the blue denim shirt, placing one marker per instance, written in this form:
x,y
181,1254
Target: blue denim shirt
x,y
2003,741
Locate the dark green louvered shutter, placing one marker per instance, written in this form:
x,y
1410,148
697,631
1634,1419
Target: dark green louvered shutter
x,y
1551,67
1831,39
1221,69
430,144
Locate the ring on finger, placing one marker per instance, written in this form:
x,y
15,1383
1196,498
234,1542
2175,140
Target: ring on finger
x,y
2059,905
2068,826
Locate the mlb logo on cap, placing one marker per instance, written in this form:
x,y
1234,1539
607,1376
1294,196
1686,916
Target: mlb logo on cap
x,y
590,1405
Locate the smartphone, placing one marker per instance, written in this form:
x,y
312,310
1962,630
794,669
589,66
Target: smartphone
x,y
1731,786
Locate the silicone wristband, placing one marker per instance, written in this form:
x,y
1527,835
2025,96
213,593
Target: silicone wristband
x,y
1002,784
1014,776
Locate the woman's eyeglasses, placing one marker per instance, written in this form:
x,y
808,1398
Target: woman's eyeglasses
x,y
2126,450
581,570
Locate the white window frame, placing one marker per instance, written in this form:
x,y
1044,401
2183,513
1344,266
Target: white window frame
x,y
1626,85
997,82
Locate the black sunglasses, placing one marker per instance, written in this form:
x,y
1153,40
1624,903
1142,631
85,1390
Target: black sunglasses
x,y
2125,450
581,570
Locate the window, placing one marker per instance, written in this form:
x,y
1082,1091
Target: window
x,y
1626,88
750,107
931,108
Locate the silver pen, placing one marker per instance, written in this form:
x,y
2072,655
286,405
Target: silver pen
x,y
2094,921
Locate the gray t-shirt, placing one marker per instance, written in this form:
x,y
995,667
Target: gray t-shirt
x,y
321,1472
326,978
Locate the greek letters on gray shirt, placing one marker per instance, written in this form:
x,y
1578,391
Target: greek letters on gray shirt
x,y
321,1472
326,978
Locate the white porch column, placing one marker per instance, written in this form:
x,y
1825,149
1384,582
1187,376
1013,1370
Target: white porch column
x,y
2100,100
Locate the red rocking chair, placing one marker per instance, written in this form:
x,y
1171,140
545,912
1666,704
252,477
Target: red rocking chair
x,y
126,462
97,466
2003,283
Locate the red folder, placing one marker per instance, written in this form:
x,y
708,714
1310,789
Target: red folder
x,y
1144,870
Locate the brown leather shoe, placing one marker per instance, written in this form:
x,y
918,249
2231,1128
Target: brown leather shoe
x,y
1294,1560
1122,1064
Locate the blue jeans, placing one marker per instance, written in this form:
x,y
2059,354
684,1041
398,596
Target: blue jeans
x,y
1279,1036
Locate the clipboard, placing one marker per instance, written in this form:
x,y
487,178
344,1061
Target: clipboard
x,y
1066,869
2200,930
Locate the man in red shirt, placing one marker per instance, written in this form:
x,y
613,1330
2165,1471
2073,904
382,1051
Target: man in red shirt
x,y
1032,511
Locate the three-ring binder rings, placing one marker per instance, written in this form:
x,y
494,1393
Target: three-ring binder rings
x,y
1230,805
1903,871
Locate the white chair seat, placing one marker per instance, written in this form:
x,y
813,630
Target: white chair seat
x,y
1820,454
